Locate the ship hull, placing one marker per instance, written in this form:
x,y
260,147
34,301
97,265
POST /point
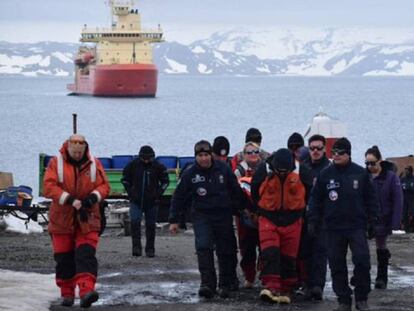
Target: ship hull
x,y
127,80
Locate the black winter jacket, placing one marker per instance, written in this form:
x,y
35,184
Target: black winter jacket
x,y
144,182
211,190
343,198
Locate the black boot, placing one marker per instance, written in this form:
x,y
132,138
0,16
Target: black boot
x,y
383,257
149,244
207,273
136,238
227,274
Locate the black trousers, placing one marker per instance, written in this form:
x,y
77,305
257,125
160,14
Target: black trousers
x,y
337,245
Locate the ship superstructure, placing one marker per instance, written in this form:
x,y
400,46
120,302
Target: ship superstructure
x,y
117,60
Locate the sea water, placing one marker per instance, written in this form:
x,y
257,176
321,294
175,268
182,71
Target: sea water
x,y
36,115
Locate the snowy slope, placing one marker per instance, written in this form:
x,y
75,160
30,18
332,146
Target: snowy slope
x,y
307,52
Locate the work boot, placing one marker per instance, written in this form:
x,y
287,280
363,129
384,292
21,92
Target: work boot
x,y
224,292
149,244
343,307
88,299
266,295
208,285
383,257
316,293
362,305
136,238
206,292
67,301
284,299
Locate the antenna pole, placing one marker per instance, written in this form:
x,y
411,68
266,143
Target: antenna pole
x,y
75,123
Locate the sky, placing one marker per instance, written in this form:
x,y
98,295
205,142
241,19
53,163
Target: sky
x,y
185,20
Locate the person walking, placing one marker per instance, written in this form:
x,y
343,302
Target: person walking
x,y
279,193
314,248
390,198
145,180
76,183
407,183
214,190
344,203
246,228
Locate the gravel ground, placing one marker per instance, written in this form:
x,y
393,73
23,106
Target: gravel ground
x,y
170,280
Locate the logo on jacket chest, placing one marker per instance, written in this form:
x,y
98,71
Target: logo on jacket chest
x,y
333,195
221,179
201,191
356,184
198,178
333,184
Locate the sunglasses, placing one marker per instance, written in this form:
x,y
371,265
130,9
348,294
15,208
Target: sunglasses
x,y
371,163
316,148
250,152
77,142
339,152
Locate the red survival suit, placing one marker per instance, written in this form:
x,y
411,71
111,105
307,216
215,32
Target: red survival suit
x,y
74,241
280,206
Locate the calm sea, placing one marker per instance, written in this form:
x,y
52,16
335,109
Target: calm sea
x,y
36,115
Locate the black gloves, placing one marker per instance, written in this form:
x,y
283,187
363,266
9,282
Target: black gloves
x,y
89,200
83,214
312,230
370,231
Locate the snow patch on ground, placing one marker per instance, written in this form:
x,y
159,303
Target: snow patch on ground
x,y
29,291
202,68
220,56
176,67
15,224
45,62
19,60
62,57
391,64
198,50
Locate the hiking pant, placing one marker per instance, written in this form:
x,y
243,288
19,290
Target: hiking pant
x,y
213,230
76,264
337,244
279,249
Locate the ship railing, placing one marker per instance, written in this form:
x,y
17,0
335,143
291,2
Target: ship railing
x,y
115,30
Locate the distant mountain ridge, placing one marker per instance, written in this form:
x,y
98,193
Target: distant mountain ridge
x,y
329,52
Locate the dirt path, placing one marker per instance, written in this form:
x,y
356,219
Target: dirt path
x,y
170,280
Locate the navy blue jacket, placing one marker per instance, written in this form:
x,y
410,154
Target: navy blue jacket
x,y
144,182
212,190
343,198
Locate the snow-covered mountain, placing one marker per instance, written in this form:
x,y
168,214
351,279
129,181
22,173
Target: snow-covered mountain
x,y
327,52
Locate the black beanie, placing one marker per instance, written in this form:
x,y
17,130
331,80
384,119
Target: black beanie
x,y
342,144
221,146
295,140
202,146
283,160
254,135
146,152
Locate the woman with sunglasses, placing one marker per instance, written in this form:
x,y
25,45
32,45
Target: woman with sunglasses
x,y
247,224
389,193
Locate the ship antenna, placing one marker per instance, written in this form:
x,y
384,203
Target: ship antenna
x,y
75,123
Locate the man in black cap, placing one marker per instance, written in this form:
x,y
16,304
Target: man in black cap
x,y
296,145
344,204
221,148
145,180
214,190
279,191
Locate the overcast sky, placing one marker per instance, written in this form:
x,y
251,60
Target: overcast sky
x,y
61,20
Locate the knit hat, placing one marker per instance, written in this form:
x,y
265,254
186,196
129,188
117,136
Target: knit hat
x,y
254,135
146,152
202,146
282,159
221,146
295,140
342,144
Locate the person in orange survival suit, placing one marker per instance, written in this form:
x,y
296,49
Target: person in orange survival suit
x,y
76,182
279,193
